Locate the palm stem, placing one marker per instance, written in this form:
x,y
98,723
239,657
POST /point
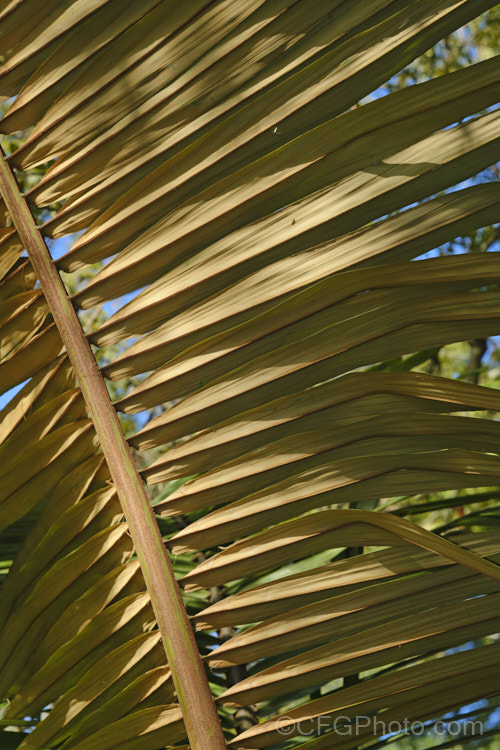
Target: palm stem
x,y
200,715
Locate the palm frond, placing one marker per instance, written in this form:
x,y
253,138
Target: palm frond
x,y
258,213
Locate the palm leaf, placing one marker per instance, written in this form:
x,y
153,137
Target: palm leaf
x,y
258,220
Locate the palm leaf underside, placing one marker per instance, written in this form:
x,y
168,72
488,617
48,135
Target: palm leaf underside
x,y
251,211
